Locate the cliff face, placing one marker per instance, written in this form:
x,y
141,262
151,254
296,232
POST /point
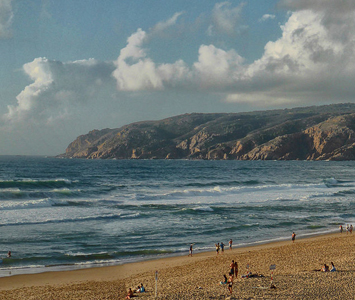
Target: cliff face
x,y
310,133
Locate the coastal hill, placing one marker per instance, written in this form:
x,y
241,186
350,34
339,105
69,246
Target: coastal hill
x,y
307,133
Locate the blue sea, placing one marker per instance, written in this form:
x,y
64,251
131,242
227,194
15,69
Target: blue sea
x,y
60,214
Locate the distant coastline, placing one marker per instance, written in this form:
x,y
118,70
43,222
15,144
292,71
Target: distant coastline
x,y
307,133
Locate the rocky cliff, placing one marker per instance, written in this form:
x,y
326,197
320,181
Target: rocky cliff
x,y
309,133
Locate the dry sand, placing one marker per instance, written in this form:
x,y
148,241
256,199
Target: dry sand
x,y
198,277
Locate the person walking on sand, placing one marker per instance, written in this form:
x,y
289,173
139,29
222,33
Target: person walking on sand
x,y
231,268
222,247
236,269
230,244
351,228
190,251
293,237
341,228
217,248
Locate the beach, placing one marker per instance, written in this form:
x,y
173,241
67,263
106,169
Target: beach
x,y
198,277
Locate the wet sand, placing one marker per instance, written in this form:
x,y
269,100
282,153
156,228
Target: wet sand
x,y
198,277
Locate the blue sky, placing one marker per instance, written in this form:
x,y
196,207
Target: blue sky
x,y
68,67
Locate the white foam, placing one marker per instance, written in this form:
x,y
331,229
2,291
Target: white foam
x,y
203,208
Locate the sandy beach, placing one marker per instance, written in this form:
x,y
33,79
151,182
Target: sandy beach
x,y
198,277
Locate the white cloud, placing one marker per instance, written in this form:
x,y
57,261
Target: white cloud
x,y
6,16
313,60
266,17
161,26
309,63
135,71
56,89
216,67
225,18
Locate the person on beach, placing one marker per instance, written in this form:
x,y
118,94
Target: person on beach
x,y
222,247
347,228
236,269
293,237
325,268
217,248
341,228
9,254
351,228
230,283
225,280
231,268
333,267
190,251
230,244
129,294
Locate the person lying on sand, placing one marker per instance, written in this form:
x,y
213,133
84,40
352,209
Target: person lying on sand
x,y
332,268
325,268
225,280
251,275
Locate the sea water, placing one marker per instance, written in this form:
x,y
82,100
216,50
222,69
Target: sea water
x,y
59,214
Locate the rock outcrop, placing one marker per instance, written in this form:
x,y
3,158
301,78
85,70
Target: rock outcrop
x,y
309,133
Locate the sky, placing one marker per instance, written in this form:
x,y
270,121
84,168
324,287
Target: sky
x,y
69,67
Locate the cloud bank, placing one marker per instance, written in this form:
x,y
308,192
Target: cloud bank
x,y
312,62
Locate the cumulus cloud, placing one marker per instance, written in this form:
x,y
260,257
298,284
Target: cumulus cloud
x,y
313,60
309,63
135,71
217,67
6,16
225,18
57,87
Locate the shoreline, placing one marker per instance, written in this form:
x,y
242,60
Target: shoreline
x,y
77,267
126,272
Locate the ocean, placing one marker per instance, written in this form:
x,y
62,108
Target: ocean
x,y
62,214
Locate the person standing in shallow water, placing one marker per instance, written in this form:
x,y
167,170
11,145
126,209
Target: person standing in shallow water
x,y
293,237
230,244
222,247
190,250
